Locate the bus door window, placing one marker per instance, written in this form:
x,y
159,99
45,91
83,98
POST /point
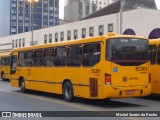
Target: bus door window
x,y
60,56
153,53
3,61
74,55
38,60
13,64
21,59
91,54
8,61
29,58
158,55
48,57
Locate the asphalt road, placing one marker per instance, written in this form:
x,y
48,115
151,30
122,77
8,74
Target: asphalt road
x,y
11,99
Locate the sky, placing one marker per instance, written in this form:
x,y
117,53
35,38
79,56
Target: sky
x,y
61,7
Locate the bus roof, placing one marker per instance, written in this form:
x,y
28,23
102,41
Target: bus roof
x,y
78,41
5,54
154,41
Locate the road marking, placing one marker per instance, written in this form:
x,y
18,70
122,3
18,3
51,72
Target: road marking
x,y
66,104
48,100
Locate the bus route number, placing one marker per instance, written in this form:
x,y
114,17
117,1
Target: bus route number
x,y
95,70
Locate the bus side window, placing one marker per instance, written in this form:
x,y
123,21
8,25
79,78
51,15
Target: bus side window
x,y
60,56
3,62
29,58
158,55
153,53
48,57
21,59
9,61
91,54
39,56
74,55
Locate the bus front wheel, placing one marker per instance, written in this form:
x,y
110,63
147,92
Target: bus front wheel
x,y
68,92
22,86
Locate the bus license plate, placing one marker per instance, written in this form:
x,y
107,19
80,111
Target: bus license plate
x,y
129,92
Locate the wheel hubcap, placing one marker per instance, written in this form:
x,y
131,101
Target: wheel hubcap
x,y
68,92
2,76
22,85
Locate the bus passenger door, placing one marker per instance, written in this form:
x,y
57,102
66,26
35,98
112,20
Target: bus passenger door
x,y
13,65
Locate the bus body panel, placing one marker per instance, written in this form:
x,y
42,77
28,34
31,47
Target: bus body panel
x,y
129,75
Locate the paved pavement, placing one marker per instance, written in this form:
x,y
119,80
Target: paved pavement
x,y
11,99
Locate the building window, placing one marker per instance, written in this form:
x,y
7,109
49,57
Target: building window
x,y
45,39
19,42
12,43
56,37
23,42
16,43
62,36
50,38
83,32
101,30
91,31
69,35
75,34
110,27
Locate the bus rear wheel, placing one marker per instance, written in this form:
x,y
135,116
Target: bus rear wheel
x,y
68,92
22,86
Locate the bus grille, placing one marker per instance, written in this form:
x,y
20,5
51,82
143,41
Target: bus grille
x,y
93,87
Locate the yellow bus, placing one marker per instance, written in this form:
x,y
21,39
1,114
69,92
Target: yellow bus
x,y
154,50
109,66
5,65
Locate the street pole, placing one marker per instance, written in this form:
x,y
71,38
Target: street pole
x,y
32,15
121,16
32,9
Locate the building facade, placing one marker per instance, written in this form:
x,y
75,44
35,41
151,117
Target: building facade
x,y
22,15
82,8
75,10
4,18
102,3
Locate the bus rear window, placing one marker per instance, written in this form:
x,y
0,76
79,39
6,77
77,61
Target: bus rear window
x,y
127,50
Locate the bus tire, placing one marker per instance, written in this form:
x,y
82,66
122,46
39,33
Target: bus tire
x,y
22,86
68,92
2,76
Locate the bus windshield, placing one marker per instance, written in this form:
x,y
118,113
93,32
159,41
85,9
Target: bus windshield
x,y
127,50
